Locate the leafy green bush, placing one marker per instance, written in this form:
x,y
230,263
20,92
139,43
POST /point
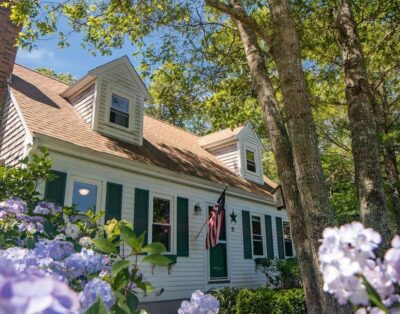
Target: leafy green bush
x,y
227,299
290,273
263,300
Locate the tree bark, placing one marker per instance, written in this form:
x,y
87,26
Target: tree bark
x,y
393,180
365,145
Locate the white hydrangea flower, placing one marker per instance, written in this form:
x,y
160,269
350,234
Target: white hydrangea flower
x,y
72,231
85,241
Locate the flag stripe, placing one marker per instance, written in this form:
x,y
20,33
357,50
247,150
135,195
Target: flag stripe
x,y
215,222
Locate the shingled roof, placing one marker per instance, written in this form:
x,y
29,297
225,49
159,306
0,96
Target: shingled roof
x,y
164,145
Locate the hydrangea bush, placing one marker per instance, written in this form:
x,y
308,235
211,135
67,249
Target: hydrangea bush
x,y
54,259
353,272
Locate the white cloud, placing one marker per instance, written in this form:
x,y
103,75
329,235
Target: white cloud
x,y
35,56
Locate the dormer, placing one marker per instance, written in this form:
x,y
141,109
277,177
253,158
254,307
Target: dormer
x,y
110,99
239,149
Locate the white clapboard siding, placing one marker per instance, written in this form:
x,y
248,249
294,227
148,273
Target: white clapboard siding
x,y
12,135
119,78
189,273
229,156
83,103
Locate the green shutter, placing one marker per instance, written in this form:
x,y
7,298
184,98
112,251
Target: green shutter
x,y
182,242
270,238
141,214
246,234
279,233
55,190
113,201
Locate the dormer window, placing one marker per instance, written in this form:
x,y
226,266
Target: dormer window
x,y
119,110
250,161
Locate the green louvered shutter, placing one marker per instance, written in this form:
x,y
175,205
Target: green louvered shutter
x,y
270,238
141,214
113,201
246,234
279,233
55,190
182,241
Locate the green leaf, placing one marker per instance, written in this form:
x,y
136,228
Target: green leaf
x,y
120,265
97,307
133,302
374,296
157,259
104,245
121,279
154,248
130,238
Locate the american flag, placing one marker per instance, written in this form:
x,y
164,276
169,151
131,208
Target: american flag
x,y
215,222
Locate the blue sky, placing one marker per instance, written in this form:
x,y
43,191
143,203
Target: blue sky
x,y
73,59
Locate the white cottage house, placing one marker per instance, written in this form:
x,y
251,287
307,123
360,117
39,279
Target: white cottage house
x,y
107,154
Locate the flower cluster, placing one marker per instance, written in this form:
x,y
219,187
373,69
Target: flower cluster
x,y
47,208
32,291
97,288
13,206
200,303
350,268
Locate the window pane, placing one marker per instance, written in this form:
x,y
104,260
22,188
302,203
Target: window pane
x,y
250,161
120,103
162,233
222,233
161,209
286,230
218,262
119,118
256,224
288,248
84,196
258,248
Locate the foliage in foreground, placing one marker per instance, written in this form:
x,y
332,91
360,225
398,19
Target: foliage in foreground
x,y
281,274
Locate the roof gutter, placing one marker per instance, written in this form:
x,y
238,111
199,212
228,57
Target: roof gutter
x,y
72,150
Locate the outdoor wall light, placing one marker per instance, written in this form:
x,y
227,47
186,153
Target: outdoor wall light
x,y
84,192
197,209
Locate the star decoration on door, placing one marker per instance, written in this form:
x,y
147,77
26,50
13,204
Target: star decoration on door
x,y
233,217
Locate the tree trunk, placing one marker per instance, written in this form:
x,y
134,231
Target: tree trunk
x,y
365,146
393,179
309,174
281,148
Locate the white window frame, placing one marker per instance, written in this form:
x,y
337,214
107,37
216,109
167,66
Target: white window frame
x,y
172,209
98,183
226,279
262,235
120,93
284,240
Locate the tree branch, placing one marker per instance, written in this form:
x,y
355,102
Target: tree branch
x,y
240,14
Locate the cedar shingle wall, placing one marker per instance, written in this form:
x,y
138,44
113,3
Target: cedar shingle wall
x,y
12,135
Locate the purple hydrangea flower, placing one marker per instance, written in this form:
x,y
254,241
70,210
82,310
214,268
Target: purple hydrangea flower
x,y
14,205
87,261
31,291
47,208
56,249
19,257
97,288
30,224
200,303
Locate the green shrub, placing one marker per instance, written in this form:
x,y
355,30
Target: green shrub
x,y
290,273
227,299
267,301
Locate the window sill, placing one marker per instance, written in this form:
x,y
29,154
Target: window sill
x,y
210,282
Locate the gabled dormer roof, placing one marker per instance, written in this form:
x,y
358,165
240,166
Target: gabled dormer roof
x,y
228,135
91,76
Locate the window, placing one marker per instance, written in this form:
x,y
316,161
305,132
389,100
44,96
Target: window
x,y
84,196
250,160
218,255
258,246
288,239
161,228
119,110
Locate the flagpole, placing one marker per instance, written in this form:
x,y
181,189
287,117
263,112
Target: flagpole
x,y
202,227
